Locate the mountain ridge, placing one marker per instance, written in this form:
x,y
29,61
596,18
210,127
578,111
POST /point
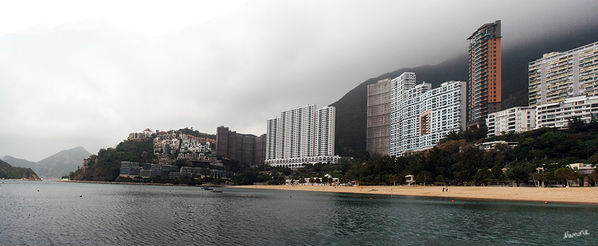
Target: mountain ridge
x,y
53,166
9,172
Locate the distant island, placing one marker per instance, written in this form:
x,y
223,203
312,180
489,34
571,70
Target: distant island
x,y
9,172
54,166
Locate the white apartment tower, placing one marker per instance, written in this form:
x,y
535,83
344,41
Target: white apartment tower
x,y
325,121
516,119
398,85
422,116
301,135
560,75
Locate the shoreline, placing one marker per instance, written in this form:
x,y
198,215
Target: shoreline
x,y
577,195
135,183
572,195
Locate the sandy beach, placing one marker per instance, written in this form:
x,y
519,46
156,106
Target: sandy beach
x,y
579,195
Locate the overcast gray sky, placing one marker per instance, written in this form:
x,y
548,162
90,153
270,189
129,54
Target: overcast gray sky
x,y
89,72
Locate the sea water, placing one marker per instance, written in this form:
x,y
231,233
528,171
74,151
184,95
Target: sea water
x,y
57,213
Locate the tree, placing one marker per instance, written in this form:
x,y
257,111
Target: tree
x,y
481,176
394,177
302,180
276,180
453,135
424,177
480,133
540,177
518,174
195,133
247,177
497,172
575,124
564,174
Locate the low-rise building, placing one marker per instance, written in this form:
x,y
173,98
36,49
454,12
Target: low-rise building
x,y
134,171
557,115
487,146
299,161
139,136
582,168
192,144
129,169
174,175
146,174
192,156
166,143
584,171
146,166
187,172
167,169
516,119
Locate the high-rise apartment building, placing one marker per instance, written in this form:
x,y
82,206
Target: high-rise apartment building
x,y
516,119
398,85
247,149
484,86
422,116
560,75
325,131
301,135
378,118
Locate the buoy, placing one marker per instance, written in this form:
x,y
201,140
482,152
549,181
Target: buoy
x,y
80,195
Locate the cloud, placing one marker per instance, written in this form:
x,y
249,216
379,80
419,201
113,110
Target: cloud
x,y
93,73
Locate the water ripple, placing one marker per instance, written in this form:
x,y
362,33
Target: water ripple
x,y
164,215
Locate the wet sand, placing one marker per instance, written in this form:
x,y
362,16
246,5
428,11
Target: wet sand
x,y
579,195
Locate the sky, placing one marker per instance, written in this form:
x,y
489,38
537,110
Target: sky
x,y
86,73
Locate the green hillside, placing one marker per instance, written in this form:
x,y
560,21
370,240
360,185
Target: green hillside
x,y
459,159
9,172
105,166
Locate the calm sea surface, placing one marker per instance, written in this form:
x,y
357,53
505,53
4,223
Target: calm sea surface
x,y
52,213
